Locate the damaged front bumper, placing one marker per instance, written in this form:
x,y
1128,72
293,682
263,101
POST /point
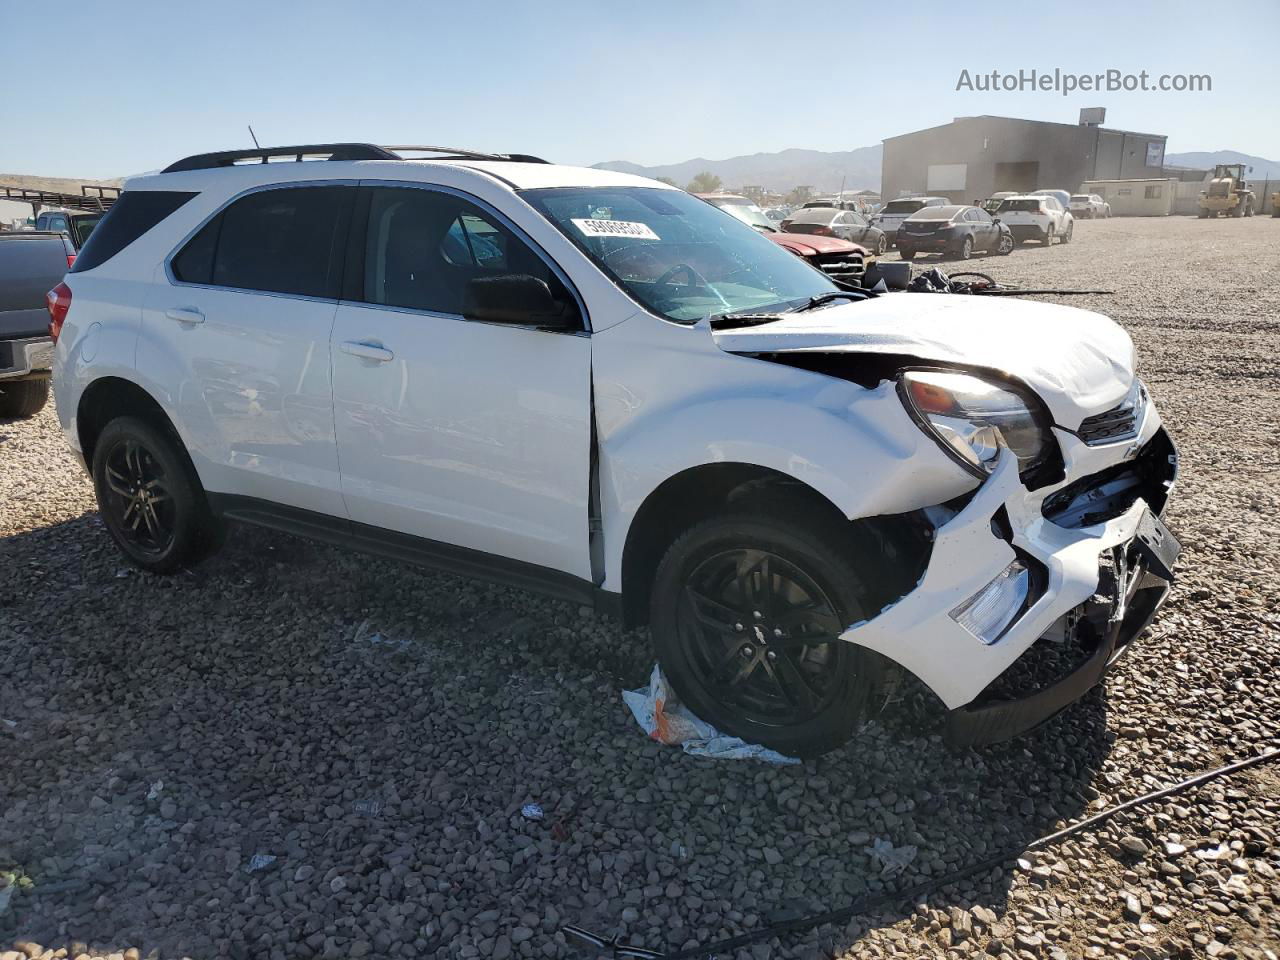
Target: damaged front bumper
x,y
1099,564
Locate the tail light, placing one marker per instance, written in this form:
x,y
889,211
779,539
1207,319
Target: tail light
x,y
58,300
71,260
824,231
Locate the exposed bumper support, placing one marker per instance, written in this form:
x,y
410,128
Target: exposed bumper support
x,y
921,632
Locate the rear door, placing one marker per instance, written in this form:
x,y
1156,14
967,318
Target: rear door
x,y
467,433
239,336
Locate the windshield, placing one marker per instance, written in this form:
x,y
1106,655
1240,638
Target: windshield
x,y
1023,206
677,255
902,206
934,213
747,213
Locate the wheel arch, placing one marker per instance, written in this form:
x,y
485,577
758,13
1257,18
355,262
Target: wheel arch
x,y
110,397
707,489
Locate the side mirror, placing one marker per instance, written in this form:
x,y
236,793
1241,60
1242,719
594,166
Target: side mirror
x,y
517,298
995,219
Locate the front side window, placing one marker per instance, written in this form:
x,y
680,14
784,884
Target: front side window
x,y
278,241
677,256
424,248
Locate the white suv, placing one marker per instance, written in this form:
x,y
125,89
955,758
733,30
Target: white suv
x,y
1036,217
1090,206
592,384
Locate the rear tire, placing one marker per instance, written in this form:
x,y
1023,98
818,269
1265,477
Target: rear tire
x,y
150,498
882,245
20,399
966,249
732,585
906,254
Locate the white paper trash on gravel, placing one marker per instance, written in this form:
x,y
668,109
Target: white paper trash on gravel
x,y
665,719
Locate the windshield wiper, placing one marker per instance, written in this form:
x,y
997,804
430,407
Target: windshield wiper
x,y
731,321
824,298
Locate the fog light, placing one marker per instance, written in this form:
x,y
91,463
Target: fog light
x,y
988,613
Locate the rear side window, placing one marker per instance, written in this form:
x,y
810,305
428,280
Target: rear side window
x,y
136,212
278,241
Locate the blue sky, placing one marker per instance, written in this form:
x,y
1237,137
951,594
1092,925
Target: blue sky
x,y
581,82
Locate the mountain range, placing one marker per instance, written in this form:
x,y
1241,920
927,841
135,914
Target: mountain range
x,y
859,169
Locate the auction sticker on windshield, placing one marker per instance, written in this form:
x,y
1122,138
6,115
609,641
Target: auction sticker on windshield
x,y
615,228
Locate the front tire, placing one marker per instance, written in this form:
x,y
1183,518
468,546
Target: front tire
x,y
150,498
906,254
746,614
882,245
1066,237
1048,236
22,398
1005,246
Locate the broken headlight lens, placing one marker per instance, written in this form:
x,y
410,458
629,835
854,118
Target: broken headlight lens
x,y
970,417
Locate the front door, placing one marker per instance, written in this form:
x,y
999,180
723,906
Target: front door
x,y
469,433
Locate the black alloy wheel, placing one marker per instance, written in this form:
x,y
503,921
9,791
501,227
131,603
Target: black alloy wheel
x,y
762,636
746,614
150,497
139,498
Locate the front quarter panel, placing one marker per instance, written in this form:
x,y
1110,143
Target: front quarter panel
x,y
668,399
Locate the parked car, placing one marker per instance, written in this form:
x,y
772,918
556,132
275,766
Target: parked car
x,y
776,214
1062,196
1037,217
992,203
856,204
1090,206
894,212
958,231
837,258
642,405
832,222
30,263
76,224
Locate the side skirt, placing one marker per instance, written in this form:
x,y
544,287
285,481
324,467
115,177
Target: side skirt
x,y
417,550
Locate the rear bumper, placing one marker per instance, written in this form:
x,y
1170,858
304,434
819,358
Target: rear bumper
x,y
1026,231
26,357
923,243
1096,583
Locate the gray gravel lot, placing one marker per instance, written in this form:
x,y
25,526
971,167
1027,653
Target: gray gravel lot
x,y
163,732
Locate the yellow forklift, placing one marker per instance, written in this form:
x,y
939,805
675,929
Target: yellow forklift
x,y
1228,193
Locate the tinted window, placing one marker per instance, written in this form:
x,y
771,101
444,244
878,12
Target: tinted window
x,y
814,215
1020,206
981,216
279,241
136,212
902,206
423,248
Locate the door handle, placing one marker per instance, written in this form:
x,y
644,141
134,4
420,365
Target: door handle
x,y
185,314
367,350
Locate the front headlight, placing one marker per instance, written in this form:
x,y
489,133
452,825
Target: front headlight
x,y
970,417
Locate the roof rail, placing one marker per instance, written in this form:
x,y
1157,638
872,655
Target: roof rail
x,y
334,151
330,151
455,153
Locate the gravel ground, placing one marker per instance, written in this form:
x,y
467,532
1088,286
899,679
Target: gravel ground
x,y
377,728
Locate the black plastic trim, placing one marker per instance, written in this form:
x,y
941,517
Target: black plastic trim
x,y
462,561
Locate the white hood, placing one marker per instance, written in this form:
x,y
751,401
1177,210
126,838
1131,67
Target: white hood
x,y
1080,363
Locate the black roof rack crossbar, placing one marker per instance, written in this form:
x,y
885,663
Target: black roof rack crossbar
x,y
334,151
